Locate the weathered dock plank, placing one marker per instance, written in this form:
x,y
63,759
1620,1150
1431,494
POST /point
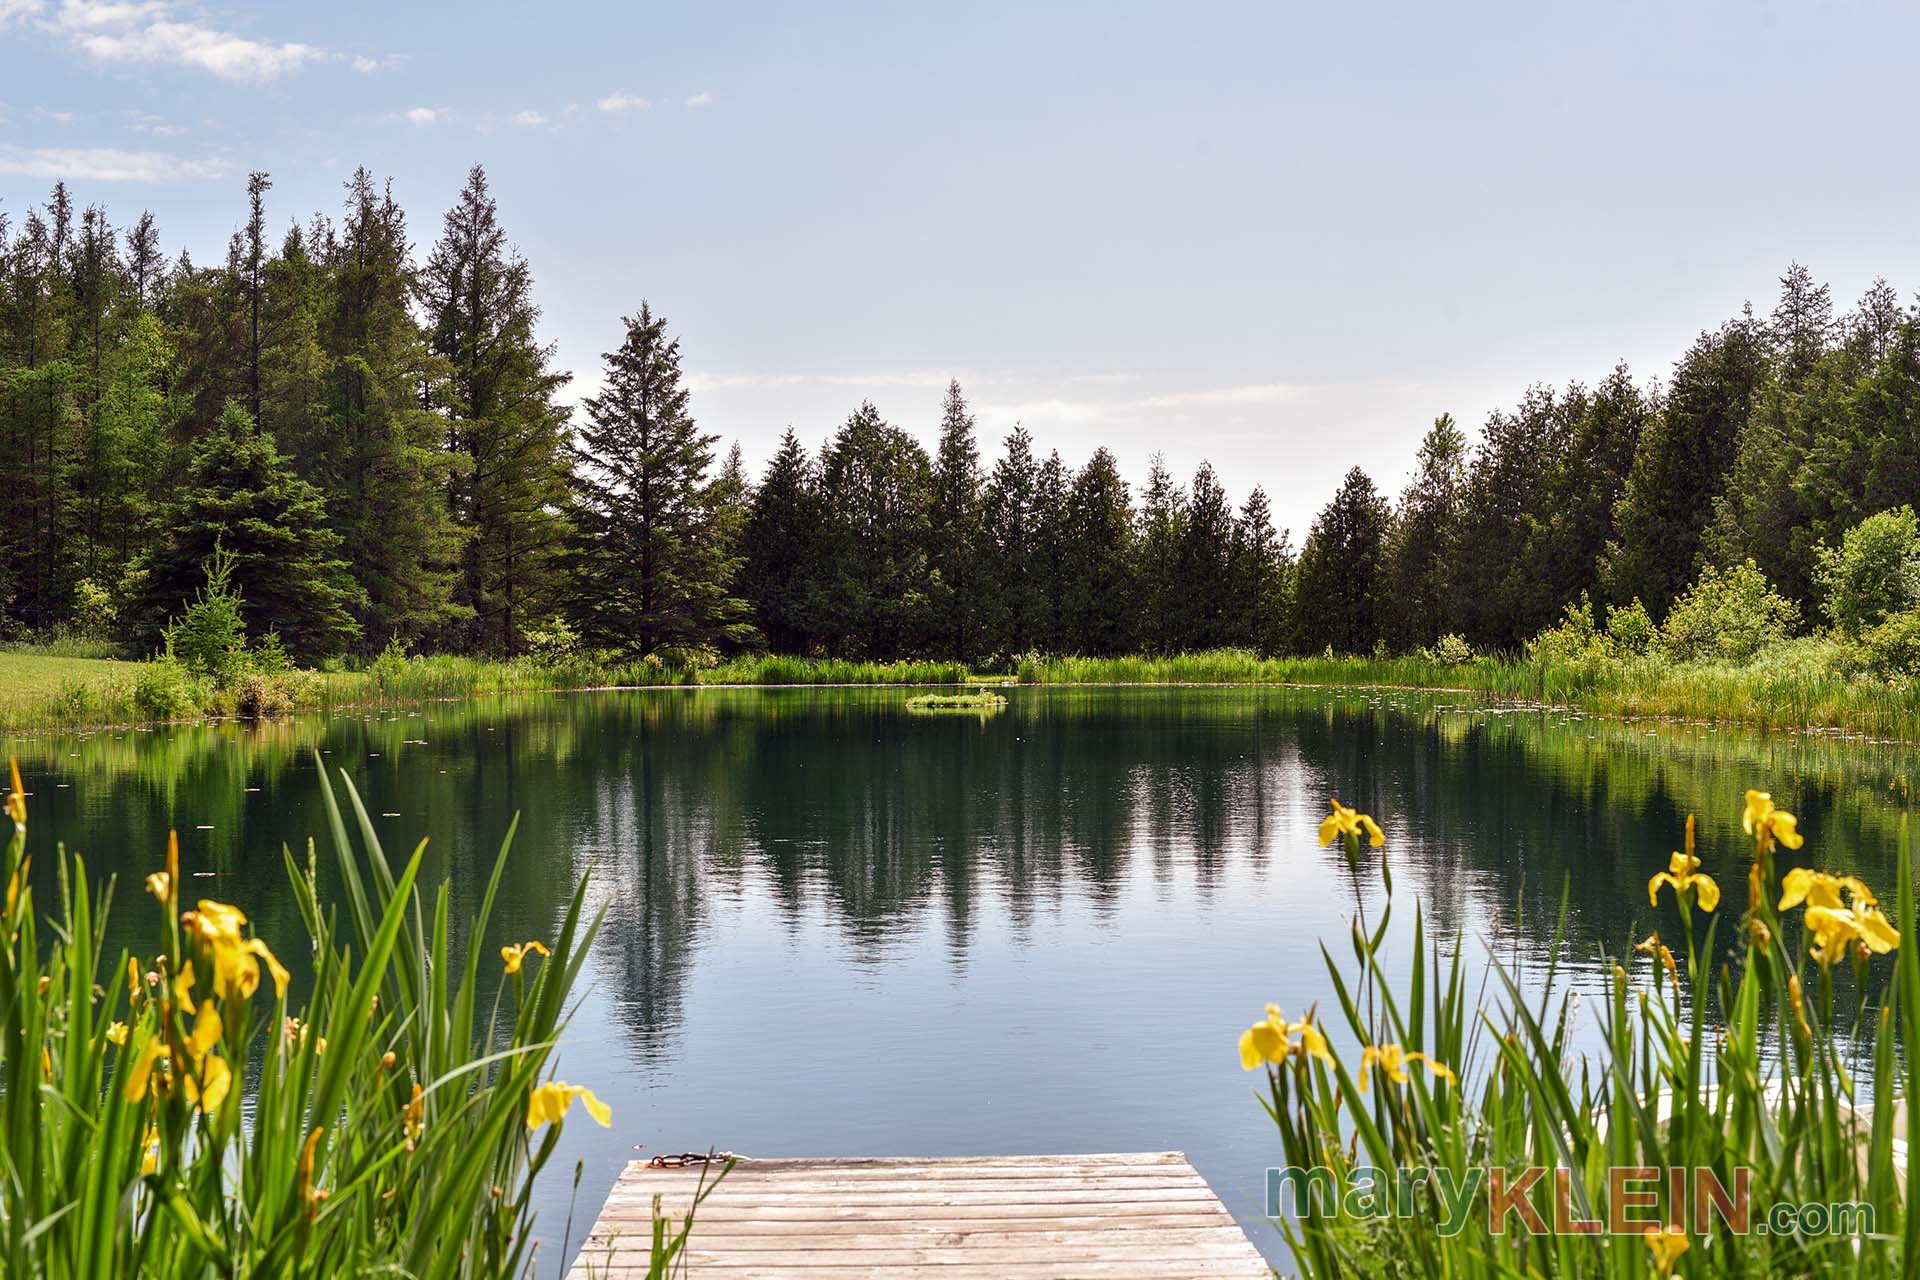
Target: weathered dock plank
x,y
1070,1217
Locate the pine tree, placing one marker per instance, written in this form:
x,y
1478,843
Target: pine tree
x,y
875,484
241,493
650,570
1336,598
1051,534
1163,521
1681,467
1414,577
1100,588
953,535
379,450
1260,572
1204,573
509,494
1012,606
782,573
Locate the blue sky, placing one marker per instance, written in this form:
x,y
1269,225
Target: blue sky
x,y
1280,237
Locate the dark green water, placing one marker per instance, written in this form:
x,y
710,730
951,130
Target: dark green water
x,y
838,929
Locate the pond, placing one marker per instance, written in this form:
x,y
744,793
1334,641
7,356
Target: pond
x,y
837,928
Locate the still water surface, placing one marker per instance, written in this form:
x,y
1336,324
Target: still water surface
x,y
834,928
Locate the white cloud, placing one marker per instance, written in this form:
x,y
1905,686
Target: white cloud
x,y
144,122
531,119
365,65
148,31
700,99
11,9
52,117
617,101
1061,410
103,164
744,381
426,115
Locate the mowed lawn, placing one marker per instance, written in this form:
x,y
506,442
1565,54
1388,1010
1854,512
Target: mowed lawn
x,y
29,680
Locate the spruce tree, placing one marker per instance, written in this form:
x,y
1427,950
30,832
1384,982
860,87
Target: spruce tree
x,y
953,534
1204,573
509,493
1260,573
875,487
241,493
1013,602
1099,595
1163,520
784,550
1414,577
1336,598
650,571
1681,467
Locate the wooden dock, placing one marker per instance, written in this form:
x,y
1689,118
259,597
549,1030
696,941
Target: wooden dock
x,y
1083,1217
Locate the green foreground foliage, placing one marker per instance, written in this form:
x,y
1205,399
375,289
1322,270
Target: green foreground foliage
x,y
202,1110
1762,1039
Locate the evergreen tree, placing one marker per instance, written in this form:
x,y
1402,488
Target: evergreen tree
x,y
1414,576
373,442
1163,521
1681,467
241,493
1204,582
508,496
1495,585
1099,593
953,536
1336,597
875,485
1013,606
650,570
1051,534
784,549
1261,572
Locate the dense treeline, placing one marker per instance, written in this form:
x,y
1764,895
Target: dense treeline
x,y
373,439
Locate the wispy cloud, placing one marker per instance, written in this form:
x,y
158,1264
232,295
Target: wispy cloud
x,y
617,101
151,31
103,164
1071,410
530,119
747,381
426,115
12,9
144,122
45,116
700,99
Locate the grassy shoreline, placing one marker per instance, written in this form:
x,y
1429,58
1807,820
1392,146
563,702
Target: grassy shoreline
x,y
1795,686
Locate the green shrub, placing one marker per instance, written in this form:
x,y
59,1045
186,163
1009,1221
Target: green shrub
x,y
1452,650
95,617
1892,647
387,671
1574,639
165,689
263,696
1727,613
1873,573
1630,628
211,635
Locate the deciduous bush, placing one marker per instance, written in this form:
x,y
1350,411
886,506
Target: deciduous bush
x,y
1874,572
1630,629
1727,613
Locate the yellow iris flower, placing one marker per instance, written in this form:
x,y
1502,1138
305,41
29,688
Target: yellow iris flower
x,y
1767,824
1344,822
1393,1061
1666,1244
117,1033
309,1195
513,956
549,1102
17,797
1652,946
1683,874
149,1151
140,1075
1273,1039
209,1084
1834,922
215,931
414,1119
